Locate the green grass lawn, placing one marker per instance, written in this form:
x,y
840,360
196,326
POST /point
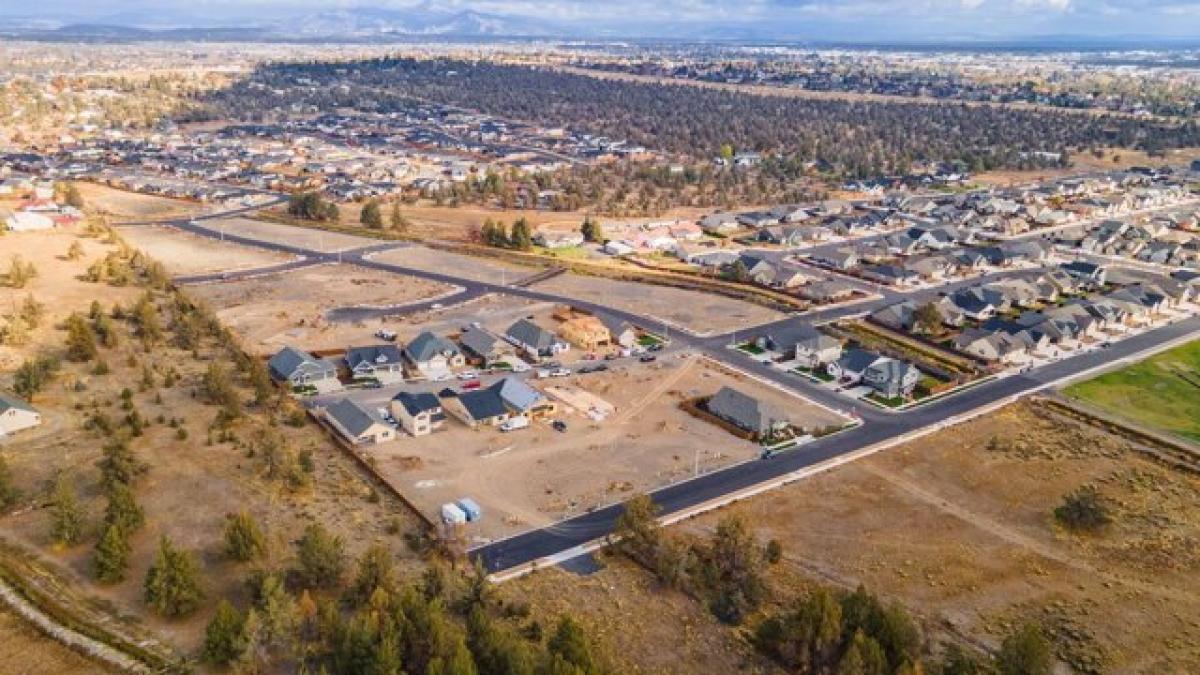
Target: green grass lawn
x,y
751,348
1162,392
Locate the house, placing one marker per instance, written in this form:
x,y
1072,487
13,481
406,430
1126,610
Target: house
x,y
621,333
419,414
534,340
854,362
379,362
841,259
554,240
989,346
745,412
521,399
757,269
617,248
587,332
16,415
28,221
301,369
358,425
483,348
433,355
1087,272
897,316
720,224
815,349
891,378
480,407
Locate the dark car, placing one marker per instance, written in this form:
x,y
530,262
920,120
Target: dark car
x,y
559,425
656,347
649,358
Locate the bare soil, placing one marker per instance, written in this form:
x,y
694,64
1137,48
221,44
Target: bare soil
x,y
700,313
278,233
184,253
289,308
121,204
486,270
39,655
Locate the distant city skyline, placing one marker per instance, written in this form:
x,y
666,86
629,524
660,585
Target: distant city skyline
x,y
833,20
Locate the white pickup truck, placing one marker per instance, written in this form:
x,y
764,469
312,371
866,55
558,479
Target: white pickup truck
x,y
514,423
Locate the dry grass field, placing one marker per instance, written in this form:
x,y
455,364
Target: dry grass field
x,y
195,477
28,652
183,253
486,270
292,235
122,205
959,528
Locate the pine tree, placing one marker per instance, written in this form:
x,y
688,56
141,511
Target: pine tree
x,y
370,216
224,638
1025,652
119,465
572,644
123,509
9,494
398,222
322,558
81,343
67,514
375,571
244,540
172,586
112,555
521,238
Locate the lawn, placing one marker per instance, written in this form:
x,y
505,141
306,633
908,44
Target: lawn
x,y
751,348
1162,392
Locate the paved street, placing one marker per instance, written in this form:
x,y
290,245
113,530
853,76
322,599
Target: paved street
x,y
879,425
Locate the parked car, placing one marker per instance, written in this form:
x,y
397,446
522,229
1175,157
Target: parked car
x,y
560,372
473,384
559,426
384,334
598,368
468,375
656,347
648,358
520,367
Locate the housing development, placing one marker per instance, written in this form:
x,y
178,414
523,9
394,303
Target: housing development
x,y
362,363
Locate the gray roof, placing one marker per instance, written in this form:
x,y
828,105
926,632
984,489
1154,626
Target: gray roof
x,y
9,402
352,417
417,403
374,355
857,360
289,360
478,341
743,411
526,332
516,394
483,404
614,325
892,370
427,345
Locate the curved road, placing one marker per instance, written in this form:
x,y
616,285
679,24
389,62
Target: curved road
x,y
879,425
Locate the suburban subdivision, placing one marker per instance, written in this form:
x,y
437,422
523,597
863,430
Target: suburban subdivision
x,y
345,358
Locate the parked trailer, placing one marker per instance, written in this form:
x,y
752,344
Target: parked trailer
x,y
470,508
452,515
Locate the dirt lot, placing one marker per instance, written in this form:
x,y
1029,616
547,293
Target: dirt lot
x,y
39,655
697,312
289,308
468,267
958,527
184,253
278,233
1110,159
119,204
192,483
536,476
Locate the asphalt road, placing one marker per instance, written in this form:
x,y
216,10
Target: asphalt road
x,y
878,425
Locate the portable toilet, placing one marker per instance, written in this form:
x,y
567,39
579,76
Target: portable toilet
x,y
452,515
470,508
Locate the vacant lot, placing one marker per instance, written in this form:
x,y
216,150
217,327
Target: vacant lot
x,y
291,235
120,204
290,308
958,527
1162,392
485,270
184,253
697,312
536,476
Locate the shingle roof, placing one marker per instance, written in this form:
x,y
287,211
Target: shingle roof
x,y
528,333
477,341
417,403
374,355
742,410
289,359
427,345
352,417
516,394
857,360
483,404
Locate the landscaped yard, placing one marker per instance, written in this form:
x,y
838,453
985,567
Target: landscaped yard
x,y
750,348
1161,392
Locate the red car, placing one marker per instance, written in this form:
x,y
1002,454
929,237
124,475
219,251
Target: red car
x,y
473,384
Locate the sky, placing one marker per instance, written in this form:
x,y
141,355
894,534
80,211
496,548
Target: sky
x,y
935,20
